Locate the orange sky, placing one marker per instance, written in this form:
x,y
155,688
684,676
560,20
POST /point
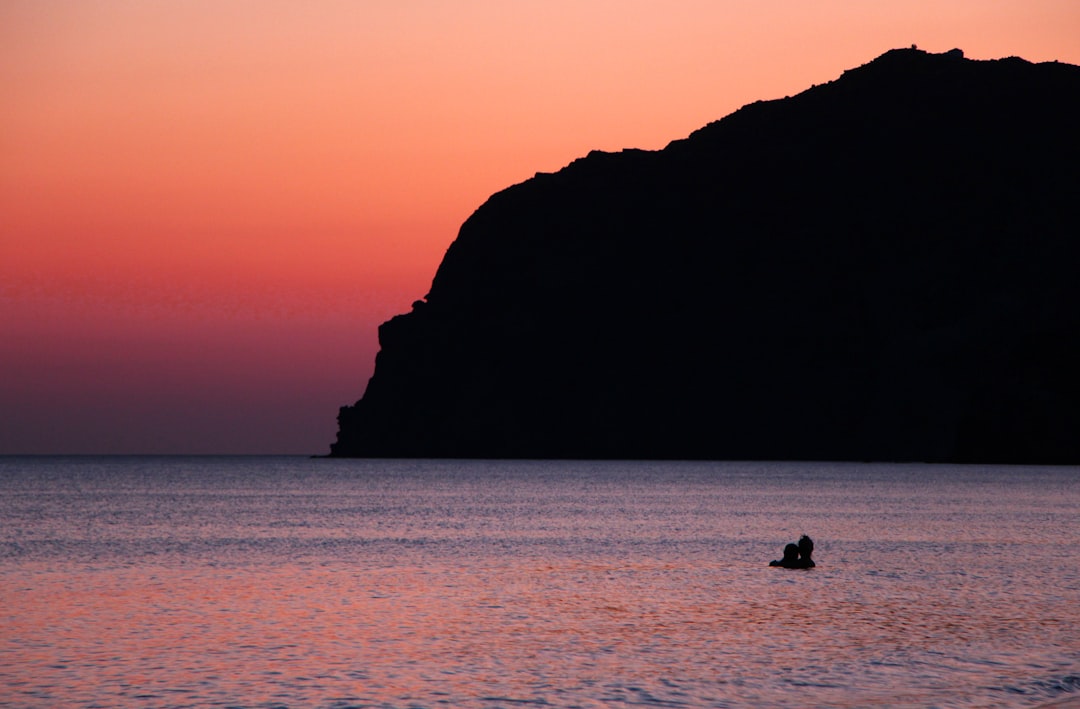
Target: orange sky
x,y
207,207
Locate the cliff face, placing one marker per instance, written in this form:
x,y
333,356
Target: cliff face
x,y
884,267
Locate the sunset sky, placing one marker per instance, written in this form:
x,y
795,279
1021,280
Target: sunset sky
x,y
207,207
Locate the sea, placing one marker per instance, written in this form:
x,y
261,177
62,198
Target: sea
x,y
272,582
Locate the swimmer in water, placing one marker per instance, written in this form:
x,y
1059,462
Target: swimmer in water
x,y
806,550
797,556
791,558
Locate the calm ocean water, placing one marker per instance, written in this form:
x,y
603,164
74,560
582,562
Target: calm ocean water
x,y
289,582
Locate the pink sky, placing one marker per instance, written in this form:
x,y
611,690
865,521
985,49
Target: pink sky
x,y
207,208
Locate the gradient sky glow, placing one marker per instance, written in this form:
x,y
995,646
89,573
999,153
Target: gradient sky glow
x,y
207,208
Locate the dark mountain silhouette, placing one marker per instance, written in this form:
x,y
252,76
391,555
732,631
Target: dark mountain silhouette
x,y
883,267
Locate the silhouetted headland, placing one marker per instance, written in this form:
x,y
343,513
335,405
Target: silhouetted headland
x,y
883,267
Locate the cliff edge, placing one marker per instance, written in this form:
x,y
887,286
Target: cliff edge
x,y
883,267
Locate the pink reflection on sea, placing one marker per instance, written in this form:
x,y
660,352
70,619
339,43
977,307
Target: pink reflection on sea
x,y
565,633
632,588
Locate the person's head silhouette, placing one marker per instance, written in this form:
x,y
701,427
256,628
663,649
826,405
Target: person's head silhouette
x,y
806,547
791,553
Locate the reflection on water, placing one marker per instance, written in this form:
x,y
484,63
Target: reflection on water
x,y
289,582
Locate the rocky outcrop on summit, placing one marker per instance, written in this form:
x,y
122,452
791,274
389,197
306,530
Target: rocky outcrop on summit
x,y
883,267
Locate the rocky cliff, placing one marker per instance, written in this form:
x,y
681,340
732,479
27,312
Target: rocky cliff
x,y
883,267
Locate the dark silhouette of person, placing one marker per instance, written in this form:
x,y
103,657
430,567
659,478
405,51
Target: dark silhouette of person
x,y
797,556
806,550
791,558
